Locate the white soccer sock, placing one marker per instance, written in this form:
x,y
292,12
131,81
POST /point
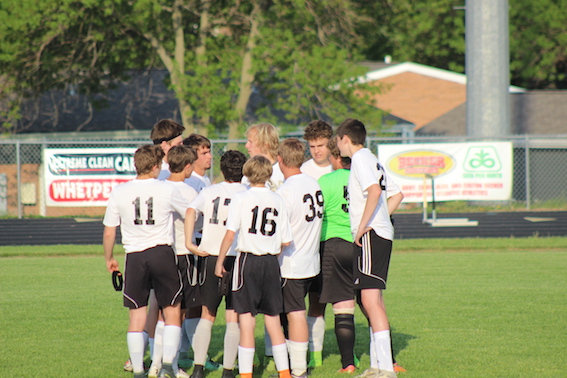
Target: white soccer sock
x,y
231,340
281,356
316,326
373,359
151,345
245,360
201,341
171,338
135,341
157,354
298,357
190,327
267,344
383,350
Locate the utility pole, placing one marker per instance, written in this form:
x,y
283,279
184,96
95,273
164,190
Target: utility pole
x,y
487,66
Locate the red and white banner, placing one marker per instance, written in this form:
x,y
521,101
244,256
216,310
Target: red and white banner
x,y
475,171
85,176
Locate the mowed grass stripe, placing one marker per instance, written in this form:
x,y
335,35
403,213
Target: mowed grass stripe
x,y
458,314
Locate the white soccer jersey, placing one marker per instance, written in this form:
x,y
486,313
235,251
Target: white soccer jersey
x,y
189,195
213,203
198,182
144,211
391,186
275,181
164,173
261,217
304,201
365,171
310,168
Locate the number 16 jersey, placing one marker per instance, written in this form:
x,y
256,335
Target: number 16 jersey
x,y
144,211
261,217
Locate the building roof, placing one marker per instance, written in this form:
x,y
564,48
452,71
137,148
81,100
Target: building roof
x,y
533,112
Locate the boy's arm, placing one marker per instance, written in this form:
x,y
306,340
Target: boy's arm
x,y
225,246
374,193
394,201
108,237
190,216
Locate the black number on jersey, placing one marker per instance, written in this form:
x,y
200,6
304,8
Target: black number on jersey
x,y
268,226
138,211
383,178
314,212
345,196
216,202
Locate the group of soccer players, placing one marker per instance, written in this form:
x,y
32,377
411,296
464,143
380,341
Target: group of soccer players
x,y
275,230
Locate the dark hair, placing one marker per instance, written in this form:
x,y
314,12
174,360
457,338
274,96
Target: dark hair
x,y
147,157
317,129
231,163
354,129
165,130
196,141
179,156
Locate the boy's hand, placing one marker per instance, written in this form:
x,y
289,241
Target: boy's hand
x,y
112,265
219,270
359,235
196,251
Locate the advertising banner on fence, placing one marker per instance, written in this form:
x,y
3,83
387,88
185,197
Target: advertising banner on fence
x,y
475,171
86,176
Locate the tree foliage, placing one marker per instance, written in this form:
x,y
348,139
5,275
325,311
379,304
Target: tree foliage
x,y
432,32
218,54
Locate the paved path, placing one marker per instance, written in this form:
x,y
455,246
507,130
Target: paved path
x,y
408,226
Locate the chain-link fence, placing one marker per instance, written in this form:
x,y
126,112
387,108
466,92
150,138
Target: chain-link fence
x,y
539,170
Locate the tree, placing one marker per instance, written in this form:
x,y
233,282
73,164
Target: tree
x,y
217,53
432,32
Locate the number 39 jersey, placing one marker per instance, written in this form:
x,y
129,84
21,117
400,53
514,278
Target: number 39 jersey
x,y
144,211
366,170
304,201
213,202
261,217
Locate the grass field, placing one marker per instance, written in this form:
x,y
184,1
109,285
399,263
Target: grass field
x,y
458,308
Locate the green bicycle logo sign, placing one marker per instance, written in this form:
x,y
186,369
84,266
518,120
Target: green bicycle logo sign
x,y
482,159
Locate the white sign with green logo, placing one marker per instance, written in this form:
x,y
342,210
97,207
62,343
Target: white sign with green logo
x,y
475,171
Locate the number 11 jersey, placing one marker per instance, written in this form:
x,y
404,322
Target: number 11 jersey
x,y
144,211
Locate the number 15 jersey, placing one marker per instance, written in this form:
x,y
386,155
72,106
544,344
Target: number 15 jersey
x,y
261,217
144,211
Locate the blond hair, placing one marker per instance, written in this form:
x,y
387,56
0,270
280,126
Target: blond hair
x,y
258,169
266,136
292,152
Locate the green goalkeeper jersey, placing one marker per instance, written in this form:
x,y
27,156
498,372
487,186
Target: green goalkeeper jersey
x,y
336,220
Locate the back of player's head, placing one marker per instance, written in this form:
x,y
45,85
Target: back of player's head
x,y
316,130
165,130
258,169
335,152
354,129
197,141
292,152
266,136
231,164
147,157
179,156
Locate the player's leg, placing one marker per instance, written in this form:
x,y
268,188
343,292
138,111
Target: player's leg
x,y
294,291
345,333
316,324
231,340
135,338
279,348
372,263
246,346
